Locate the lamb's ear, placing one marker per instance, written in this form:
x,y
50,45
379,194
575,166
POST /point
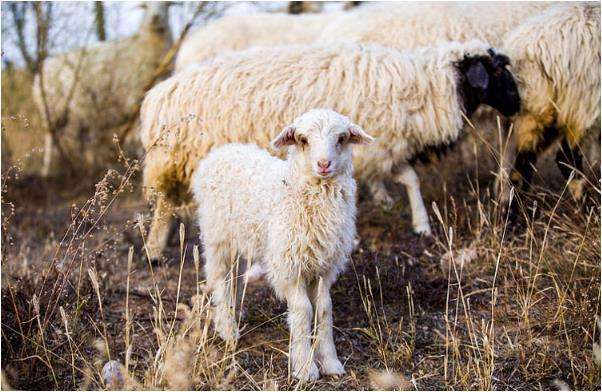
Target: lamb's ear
x,y
477,76
358,136
285,138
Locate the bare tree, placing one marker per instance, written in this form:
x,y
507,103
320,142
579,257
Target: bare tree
x,y
99,20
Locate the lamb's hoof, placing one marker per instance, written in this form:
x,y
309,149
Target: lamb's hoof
x,y
332,367
307,373
228,333
226,327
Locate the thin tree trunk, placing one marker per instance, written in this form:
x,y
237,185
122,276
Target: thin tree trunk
x,y
99,18
47,157
43,19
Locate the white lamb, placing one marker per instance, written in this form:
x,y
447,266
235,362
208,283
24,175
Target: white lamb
x,y
414,103
296,218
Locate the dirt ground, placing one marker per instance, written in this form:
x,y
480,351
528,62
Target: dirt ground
x,y
522,313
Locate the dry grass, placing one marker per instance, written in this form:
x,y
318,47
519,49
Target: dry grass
x,y
479,307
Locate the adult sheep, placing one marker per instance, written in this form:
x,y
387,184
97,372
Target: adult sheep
x,y
556,57
413,25
239,32
90,90
412,103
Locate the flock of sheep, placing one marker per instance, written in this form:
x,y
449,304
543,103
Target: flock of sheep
x,y
394,82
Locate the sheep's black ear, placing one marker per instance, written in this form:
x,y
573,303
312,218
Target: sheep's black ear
x,y
477,76
501,60
285,138
358,136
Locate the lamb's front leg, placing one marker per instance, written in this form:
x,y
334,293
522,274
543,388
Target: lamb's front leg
x,y
326,353
300,322
420,220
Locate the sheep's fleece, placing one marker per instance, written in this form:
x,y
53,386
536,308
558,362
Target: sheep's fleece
x,y
239,32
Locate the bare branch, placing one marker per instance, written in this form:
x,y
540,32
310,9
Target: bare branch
x,y
99,20
18,11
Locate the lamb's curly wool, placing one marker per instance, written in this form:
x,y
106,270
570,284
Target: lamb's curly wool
x,y
413,25
239,32
408,101
295,221
556,57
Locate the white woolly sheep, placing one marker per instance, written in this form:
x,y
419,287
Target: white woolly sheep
x,y
556,58
295,218
97,88
413,25
413,103
239,32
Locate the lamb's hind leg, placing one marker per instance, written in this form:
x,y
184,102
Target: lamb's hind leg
x,y
408,177
326,353
221,283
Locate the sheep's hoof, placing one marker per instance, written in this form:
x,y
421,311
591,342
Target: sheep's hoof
x,y
155,261
423,230
384,200
332,367
307,373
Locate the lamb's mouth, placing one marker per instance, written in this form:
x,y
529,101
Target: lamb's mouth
x,y
325,173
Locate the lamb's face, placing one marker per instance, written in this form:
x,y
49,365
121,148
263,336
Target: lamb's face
x,y
320,142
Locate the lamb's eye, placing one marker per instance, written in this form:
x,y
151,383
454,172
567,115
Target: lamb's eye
x,y
303,140
342,138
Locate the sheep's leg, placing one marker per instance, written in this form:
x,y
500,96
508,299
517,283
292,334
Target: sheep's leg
x,y
380,194
420,220
159,229
220,281
524,165
568,159
300,321
326,353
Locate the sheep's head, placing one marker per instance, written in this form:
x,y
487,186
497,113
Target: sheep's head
x,y
319,142
486,79
156,15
